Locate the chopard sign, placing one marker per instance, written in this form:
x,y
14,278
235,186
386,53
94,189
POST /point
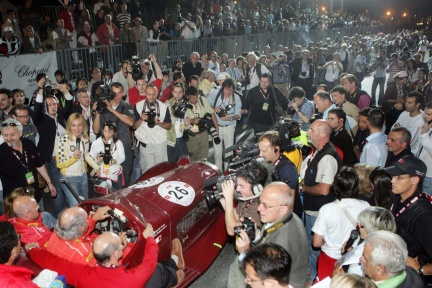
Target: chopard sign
x,y
27,71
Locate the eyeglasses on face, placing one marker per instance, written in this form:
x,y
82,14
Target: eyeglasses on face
x,y
400,177
267,206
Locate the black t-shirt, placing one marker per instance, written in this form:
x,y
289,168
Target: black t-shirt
x,y
342,140
14,166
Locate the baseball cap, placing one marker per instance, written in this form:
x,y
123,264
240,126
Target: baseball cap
x,y
408,165
8,29
222,76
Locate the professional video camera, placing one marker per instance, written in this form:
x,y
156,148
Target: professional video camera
x,y
206,123
248,226
179,108
136,67
223,111
287,129
213,189
104,93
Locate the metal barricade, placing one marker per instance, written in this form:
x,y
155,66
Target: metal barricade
x,y
78,62
168,52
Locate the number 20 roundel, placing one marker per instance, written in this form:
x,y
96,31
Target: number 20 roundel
x,y
177,192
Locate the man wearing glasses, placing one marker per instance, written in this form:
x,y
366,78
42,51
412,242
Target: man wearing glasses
x,y
282,227
412,211
21,113
20,161
267,265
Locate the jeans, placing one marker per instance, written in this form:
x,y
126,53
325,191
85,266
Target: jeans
x,y
381,82
55,176
427,185
136,168
258,127
48,220
313,253
79,184
177,151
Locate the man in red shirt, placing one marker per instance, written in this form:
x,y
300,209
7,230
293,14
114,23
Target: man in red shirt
x,y
137,93
107,249
28,221
71,237
71,24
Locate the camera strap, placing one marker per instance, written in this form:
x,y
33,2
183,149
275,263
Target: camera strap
x,y
146,104
219,95
275,227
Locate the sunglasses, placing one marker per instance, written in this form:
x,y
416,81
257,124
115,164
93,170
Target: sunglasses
x,y
9,124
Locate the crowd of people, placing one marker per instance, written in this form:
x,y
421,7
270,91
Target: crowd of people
x,y
28,29
367,169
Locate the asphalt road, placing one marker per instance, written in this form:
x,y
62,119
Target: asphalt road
x,y
217,274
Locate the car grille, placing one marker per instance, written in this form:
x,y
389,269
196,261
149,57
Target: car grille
x,y
191,218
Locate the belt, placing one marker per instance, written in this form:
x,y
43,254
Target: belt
x,y
281,83
225,125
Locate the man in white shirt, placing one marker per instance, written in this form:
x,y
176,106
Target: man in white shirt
x,y
375,151
412,118
360,66
124,76
254,71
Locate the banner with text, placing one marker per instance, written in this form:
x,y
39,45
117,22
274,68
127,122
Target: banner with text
x,y
20,71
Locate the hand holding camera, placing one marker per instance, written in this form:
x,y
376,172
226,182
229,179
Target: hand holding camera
x,y
228,189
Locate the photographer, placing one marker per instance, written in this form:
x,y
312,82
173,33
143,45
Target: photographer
x,y
262,102
153,119
197,145
176,145
121,113
50,122
380,65
109,152
249,183
302,107
227,106
281,227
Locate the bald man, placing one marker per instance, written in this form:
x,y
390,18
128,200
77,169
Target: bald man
x,y
28,221
108,250
71,237
318,172
282,227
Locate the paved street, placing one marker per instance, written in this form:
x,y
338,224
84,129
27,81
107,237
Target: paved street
x,y
217,274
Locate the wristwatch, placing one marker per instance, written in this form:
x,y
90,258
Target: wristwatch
x,y
420,271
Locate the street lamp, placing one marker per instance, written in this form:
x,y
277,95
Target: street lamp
x,y
388,13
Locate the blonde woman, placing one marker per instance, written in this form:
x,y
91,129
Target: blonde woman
x,y
72,156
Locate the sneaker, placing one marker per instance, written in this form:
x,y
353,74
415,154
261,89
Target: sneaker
x,y
180,277
178,251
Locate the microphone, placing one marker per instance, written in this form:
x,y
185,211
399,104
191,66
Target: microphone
x,y
354,235
78,142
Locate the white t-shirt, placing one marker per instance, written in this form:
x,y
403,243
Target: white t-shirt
x,y
334,225
414,125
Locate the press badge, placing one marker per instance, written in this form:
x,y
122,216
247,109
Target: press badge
x,y
265,106
30,178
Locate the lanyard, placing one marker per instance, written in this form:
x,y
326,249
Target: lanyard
x,y
276,227
25,164
264,95
407,205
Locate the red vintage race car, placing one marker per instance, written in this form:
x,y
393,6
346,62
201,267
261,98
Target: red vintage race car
x,y
171,197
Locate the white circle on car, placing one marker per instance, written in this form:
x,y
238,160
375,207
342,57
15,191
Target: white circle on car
x,y
149,182
177,192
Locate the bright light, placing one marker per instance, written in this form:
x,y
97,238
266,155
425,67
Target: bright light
x,y
388,13
405,14
323,8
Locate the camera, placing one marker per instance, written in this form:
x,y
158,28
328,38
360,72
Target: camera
x,y
136,67
179,109
213,192
206,123
49,86
223,112
104,93
106,154
248,226
151,120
